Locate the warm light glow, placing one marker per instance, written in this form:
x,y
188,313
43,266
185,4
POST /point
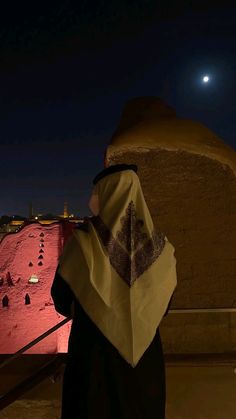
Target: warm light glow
x,y
36,218
33,279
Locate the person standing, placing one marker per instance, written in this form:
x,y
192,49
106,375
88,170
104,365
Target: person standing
x,y
115,278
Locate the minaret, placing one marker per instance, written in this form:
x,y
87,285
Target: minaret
x,y
30,210
65,215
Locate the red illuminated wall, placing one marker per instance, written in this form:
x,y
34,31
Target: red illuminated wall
x,y
19,322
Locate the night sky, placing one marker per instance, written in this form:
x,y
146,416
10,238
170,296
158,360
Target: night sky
x,y
66,72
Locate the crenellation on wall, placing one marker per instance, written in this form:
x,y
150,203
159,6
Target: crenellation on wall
x,y
33,314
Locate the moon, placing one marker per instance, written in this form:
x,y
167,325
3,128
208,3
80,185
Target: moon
x,y
205,79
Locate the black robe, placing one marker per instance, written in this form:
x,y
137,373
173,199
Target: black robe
x,y
98,383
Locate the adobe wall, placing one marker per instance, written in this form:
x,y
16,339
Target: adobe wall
x,y
34,250
192,198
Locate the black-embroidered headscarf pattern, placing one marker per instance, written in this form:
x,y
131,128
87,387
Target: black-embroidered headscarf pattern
x,y
131,252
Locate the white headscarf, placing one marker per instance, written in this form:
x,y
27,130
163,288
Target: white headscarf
x,y
121,270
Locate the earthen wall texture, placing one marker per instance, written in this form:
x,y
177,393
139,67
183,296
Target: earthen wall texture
x,y
34,250
192,199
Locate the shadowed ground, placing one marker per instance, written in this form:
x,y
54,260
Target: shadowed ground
x,y
192,392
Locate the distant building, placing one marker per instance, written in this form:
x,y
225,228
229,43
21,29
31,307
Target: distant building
x,y
31,211
14,223
66,215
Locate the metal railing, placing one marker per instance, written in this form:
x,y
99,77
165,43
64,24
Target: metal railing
x,y
51,366
27,384
44,371
33,343
60,324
